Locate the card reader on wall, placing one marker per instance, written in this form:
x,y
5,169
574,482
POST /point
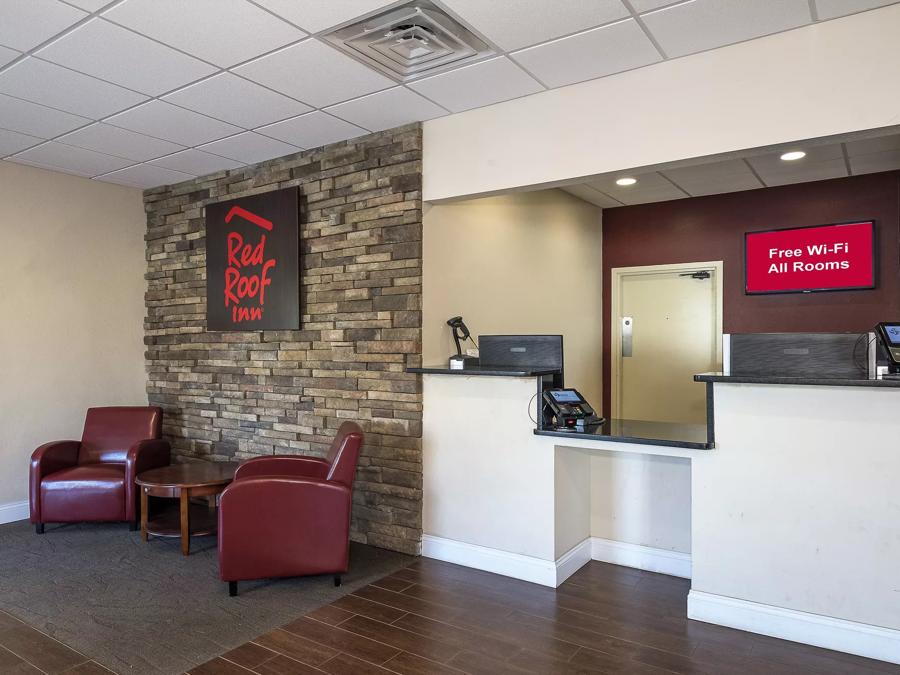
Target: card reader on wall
x,y
566,409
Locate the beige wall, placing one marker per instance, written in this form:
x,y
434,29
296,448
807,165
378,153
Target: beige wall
x,y
71,278
804,83
519,263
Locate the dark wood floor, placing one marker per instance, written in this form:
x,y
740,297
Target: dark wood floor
x,y
435,617
26,651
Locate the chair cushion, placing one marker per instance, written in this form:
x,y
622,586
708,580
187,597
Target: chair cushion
x,y
89,492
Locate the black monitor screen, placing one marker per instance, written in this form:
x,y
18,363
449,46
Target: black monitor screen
x,y
892,331
565,396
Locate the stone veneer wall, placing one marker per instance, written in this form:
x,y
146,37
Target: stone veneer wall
x,y
233,395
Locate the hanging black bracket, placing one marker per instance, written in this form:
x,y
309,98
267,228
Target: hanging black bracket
x,y
702,274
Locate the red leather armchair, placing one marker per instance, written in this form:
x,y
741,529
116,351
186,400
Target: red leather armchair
x,y
289,516
93,480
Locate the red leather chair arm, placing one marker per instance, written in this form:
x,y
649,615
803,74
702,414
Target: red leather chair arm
x,y
275,527
47,459
143,456
283,465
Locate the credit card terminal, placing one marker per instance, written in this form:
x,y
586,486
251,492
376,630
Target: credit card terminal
x,y
568,409
889,334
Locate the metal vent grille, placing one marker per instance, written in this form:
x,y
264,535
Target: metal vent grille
x,y
410,41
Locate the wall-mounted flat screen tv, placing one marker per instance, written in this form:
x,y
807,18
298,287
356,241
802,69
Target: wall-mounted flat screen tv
x,y
838,257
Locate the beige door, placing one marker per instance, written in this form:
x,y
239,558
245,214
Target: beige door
x,y
673,313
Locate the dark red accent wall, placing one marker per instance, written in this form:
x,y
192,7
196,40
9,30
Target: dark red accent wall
x,y
712,228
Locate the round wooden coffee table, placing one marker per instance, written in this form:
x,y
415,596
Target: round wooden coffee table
x,y
181,482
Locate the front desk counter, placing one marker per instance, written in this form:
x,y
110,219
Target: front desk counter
x,y
794,511
661,434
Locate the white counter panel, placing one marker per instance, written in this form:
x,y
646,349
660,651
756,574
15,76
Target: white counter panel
x,y
799,505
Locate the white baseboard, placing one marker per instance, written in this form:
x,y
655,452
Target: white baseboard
x,y
553,573
862,639
514,565
13,511
573,560
641,557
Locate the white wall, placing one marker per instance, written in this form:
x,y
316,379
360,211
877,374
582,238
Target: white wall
x,y
642,499
519,263
829,78
72,284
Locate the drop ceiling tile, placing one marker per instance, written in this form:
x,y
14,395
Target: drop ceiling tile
x,y
771,162
889,160
12,142
869,145
70,159
315,15
36,120
663,193
112,140
27,23
607,183
250,148
312,130
593,196
832,168
387,109
314,73
145,176
58,87
117,55
651,187
233,99
704,24
169,122
477,85
641,6
8,55
223,32
594,53
731,175
514,24
195,162
830,9
698,172
717,185
90,5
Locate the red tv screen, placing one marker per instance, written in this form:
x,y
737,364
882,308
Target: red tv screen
x,y
806,259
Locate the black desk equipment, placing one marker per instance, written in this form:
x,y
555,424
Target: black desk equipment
x,y
567,409
888,333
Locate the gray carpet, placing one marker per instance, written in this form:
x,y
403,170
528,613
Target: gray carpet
x,y
146,609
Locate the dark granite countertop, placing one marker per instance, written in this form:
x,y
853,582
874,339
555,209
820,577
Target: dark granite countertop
x,y
692,436
485,371
821,380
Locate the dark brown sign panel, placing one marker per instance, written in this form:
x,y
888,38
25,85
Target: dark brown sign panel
x,y
253,262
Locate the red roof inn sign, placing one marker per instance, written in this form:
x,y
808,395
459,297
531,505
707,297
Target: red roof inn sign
x,y
253,263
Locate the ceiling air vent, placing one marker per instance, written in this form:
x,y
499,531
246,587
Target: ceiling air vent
x,y
411,41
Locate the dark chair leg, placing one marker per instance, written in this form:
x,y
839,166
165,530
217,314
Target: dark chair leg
x,y
337,580
232,589
39,528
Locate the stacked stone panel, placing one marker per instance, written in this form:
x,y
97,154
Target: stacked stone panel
x,y
235,395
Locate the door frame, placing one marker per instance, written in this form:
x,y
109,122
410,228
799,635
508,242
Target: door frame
x,y
618,276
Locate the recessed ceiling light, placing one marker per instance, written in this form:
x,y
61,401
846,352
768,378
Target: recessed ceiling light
x,y
626,181
793,155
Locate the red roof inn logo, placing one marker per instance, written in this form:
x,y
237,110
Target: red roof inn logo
x,y
252,263
241,285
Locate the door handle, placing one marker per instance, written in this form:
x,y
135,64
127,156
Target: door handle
x,y
627,327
